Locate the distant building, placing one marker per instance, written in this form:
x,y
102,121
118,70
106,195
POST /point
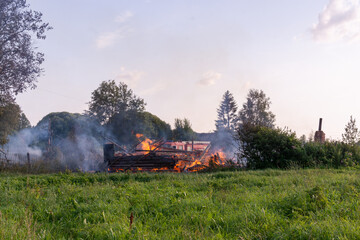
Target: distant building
x,y
187,145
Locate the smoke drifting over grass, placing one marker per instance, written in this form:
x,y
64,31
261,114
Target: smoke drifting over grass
x,y
73,141
20,143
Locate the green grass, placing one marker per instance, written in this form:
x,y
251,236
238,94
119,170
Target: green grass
x,y
269,204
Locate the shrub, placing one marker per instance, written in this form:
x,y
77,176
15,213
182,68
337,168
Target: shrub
x,y
264,147
332,154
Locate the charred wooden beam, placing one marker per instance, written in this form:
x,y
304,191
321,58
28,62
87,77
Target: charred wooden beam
x,y
109,152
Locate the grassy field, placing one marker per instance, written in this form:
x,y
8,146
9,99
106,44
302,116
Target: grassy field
x,y
270,204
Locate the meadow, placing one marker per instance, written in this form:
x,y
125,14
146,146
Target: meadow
x,y
266,204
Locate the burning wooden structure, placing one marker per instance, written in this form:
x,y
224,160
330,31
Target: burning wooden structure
x,y
156,156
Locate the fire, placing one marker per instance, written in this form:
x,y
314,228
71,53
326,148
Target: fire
x,y
221,155
160,169
152,156
213,160
146,144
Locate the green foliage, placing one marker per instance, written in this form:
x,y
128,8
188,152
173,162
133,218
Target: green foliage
x,y
61,124
227,113
110,99
226,124
9,116
23,122
275,148
11,120
67,125
331,154
19,60
75,139
264,147
270,204
183,131
256,110
351,135
153,126
125,125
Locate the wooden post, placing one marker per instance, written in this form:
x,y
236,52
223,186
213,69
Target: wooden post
x,y
28,162
192,143
49,136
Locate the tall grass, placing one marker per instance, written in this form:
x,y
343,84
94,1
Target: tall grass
x,y
268,204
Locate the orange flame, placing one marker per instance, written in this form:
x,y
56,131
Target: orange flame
x,y
145,144
185,162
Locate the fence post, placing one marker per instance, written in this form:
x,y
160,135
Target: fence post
x,y
28,161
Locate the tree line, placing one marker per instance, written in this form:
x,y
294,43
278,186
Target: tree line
x,y
116,112
260,144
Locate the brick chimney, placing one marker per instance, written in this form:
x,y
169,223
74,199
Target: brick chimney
x,y
319,134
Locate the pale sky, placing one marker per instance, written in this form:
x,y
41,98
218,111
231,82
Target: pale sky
x,y
182,55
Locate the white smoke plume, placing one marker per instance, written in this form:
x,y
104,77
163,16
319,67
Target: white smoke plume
x,y
81,149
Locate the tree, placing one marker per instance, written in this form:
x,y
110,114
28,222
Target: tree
x,y
76,139
109,99
226,124
183,130
351,135
256,111
23,122
9,121
262,147
62,125
124,126
227,113
19,60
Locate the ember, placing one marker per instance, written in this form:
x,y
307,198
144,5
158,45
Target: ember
x,y
157,156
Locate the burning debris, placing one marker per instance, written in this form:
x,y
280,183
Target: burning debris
x,y
156,156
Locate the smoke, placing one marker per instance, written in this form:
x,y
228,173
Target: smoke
x,y
91,149
222,140
225,140
73,141
21,143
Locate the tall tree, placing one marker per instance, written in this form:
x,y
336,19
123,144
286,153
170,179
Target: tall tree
x,y
125,125
351,135
227,113
226,124
72,138
183,130
9,121
23,121
256,111
19,60
109,99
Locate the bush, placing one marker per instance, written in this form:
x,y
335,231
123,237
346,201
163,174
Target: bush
x,y
332,154
262,147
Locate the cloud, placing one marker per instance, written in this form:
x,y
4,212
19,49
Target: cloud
x,y
132,79
339,21
209,78
129,77
108,39
125,16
